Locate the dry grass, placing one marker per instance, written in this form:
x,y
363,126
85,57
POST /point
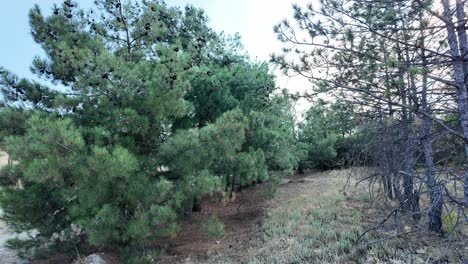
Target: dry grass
x,y
316,221
316,226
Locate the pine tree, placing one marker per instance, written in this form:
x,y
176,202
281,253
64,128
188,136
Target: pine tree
x,y
391,61
153,111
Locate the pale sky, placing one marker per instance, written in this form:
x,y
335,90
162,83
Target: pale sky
x,y
253,19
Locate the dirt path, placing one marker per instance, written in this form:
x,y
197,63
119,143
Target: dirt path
x,y
312,219
242,219
7,256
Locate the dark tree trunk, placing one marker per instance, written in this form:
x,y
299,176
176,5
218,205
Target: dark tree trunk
x,y
188,208
397,188
233,184
435,210
407,138
300,168
408,161
387,174
435,190
415,206
463,110
387,180
197,206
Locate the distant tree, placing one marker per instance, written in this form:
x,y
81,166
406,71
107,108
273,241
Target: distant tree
x,y
273,131
325,127
319,134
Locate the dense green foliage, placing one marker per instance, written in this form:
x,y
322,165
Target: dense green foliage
x,y
143,112
325,131
154,110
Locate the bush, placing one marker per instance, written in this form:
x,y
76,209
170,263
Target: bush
x,y
214,228
449,221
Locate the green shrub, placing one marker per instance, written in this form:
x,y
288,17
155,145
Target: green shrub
x,y
140,255
449,221
214,228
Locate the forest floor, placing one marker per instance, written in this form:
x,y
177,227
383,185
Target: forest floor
x,y
311,218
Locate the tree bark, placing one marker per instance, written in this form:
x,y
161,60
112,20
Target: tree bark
x,y
460,68
435,190
406,141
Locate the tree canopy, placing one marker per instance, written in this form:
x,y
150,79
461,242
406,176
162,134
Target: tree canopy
x,y
147,110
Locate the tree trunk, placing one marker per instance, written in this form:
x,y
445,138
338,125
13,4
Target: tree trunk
x,y
387,180
196,204
387,174
435,190
463,112
415,206
462,36
408,146
233,184
460,68
395,152
300,168
188,208
415,209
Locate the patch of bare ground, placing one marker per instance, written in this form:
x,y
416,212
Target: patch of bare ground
x,y
313,219
242,219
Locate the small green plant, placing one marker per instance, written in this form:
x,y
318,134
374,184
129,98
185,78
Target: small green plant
x,y
270,191
20,246
449,221
275,179
141,255
214,228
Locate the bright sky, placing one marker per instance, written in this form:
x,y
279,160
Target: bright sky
x,y
253,19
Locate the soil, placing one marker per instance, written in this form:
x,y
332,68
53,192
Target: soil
x,y
242,220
